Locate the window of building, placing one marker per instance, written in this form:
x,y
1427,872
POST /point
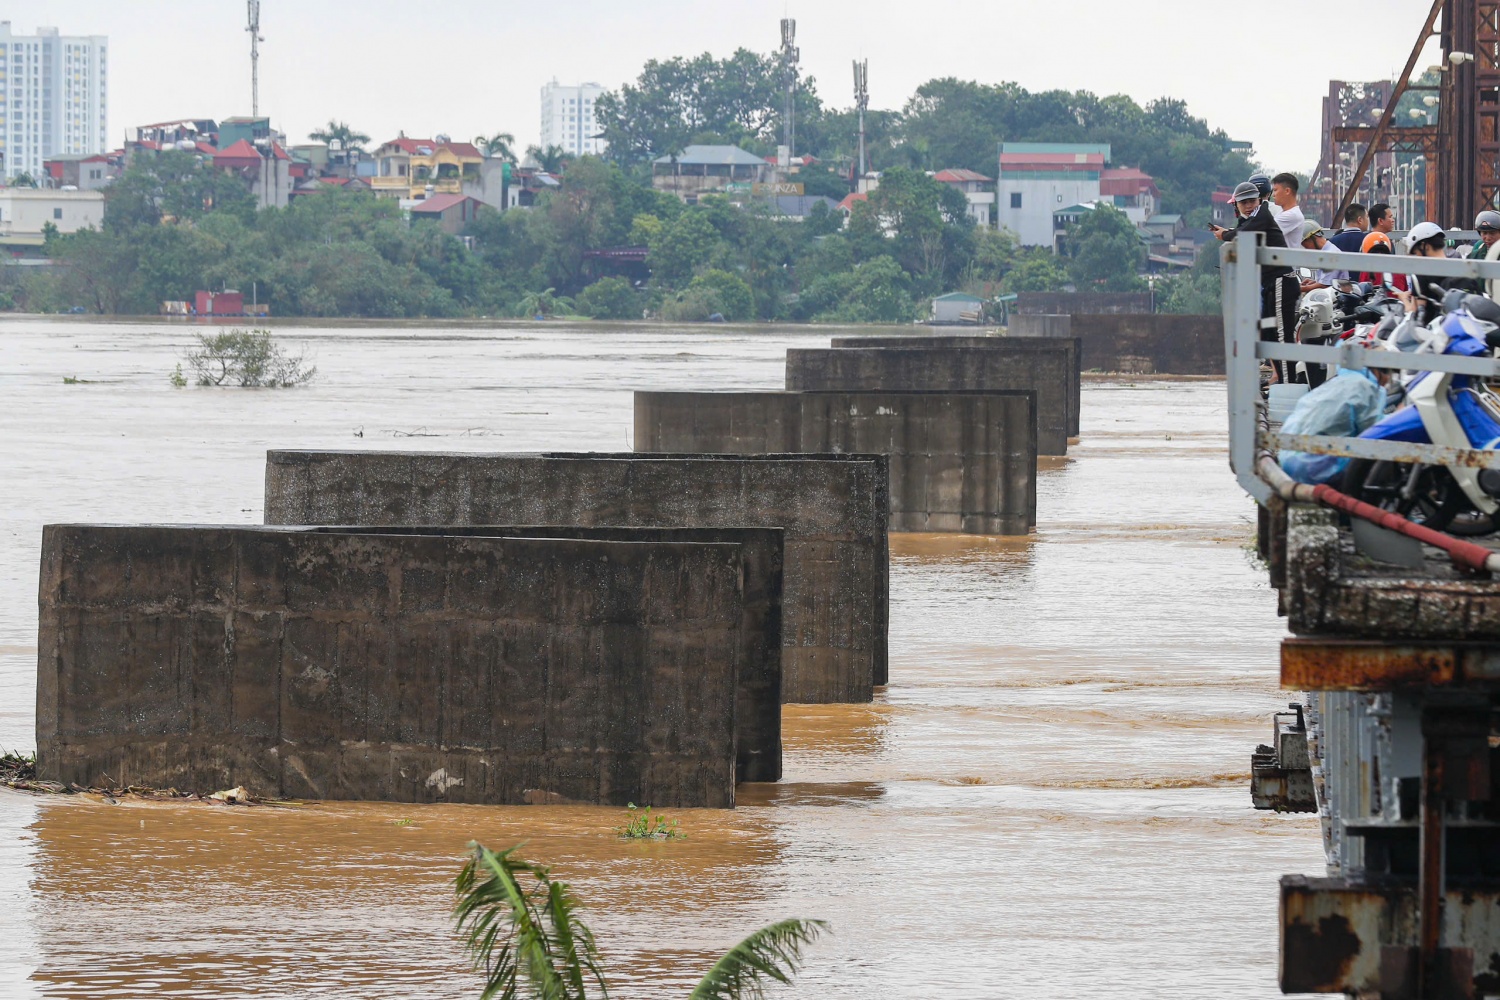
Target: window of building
x,y
57,213
1015,199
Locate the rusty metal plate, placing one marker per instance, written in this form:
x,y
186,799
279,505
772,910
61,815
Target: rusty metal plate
x,y
1315,664
1339,936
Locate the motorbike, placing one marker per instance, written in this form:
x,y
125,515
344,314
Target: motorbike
x,y
1442,408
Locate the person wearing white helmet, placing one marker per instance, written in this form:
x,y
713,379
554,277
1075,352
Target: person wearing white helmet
x,y
1426,239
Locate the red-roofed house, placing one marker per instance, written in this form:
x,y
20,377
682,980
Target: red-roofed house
x,y
267,175
973,184
1132,191
847,205
412,168
83,173
451,212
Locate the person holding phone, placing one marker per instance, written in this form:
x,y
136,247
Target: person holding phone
x,y
1279,287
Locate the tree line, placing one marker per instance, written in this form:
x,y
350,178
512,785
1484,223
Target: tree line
x,y
173,226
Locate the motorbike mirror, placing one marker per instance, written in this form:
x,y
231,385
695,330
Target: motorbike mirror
x,y
1454,299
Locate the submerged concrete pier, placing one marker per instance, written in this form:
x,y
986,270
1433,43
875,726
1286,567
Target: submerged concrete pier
x,y
963,462
1049,369
833,509
403,667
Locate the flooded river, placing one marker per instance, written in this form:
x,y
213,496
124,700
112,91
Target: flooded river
x,y
1050,800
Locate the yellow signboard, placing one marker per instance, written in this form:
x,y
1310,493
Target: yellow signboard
x,y
772,190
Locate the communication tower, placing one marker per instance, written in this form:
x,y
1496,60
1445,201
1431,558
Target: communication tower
x,y
789,57
861,102
255,39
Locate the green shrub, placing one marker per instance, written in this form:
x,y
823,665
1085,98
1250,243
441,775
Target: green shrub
x,y
643,824
609,298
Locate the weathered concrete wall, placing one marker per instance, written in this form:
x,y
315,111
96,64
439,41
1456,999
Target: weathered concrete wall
x,y
1328,589
1047,369
834,510
388,667
1151,343
1022,348
758,705
1073,303
959,461
1039,325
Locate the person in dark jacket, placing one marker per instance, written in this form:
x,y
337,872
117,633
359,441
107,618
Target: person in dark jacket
x,y
1279,287
1356,222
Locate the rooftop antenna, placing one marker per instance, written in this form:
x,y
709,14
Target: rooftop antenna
x,y
861,102
789,57
255,39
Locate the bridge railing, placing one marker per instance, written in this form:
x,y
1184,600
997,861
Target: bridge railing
x,y
1240,265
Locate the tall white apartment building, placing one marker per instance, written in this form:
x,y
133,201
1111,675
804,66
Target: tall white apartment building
x,y
52,97
568,118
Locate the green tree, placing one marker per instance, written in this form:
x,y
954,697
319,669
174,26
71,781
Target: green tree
x,y
340,132
725,293
682,248
609,298
1105,251
23,180
553,159
1036,269
501,145
525,933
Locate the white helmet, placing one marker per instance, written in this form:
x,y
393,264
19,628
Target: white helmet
x,y
1421,232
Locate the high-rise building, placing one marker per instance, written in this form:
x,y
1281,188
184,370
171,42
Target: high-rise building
x,y
568,118
52,97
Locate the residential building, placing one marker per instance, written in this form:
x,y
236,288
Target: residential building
x,y
82,173
1065,218
1163,229
957,307
700,170
266,170
449,212
53,97
568,118
974,187
168,134
253,130
798,207
1132,191
1039,178
418,168
27,211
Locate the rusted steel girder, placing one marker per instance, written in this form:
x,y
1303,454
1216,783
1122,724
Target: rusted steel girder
x,y
1330,664
1339,936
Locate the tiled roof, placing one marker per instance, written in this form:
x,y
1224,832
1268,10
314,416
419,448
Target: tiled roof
x,y
959,175
440,202
241,150
714,156
848,203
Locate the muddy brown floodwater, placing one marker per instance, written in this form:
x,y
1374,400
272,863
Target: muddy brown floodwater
x,y
1049,801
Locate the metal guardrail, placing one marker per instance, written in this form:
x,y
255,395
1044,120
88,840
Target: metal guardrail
x,y
1240,264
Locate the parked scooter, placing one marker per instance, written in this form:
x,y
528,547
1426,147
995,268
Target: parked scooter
x,y
1444,409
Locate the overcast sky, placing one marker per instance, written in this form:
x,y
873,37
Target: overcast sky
x,y
469,66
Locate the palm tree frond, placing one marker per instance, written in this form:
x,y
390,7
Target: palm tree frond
x,y
503,931
773,952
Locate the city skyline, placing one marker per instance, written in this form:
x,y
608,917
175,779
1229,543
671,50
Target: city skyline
x,y
480,69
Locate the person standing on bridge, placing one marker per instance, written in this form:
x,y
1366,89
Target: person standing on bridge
x,y
1278,284
1288,215
1356,221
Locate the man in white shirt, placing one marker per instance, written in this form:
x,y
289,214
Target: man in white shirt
x,y
1288,215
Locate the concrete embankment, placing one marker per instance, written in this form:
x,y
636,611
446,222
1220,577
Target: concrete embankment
x,y
962,462
833,510
408,667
